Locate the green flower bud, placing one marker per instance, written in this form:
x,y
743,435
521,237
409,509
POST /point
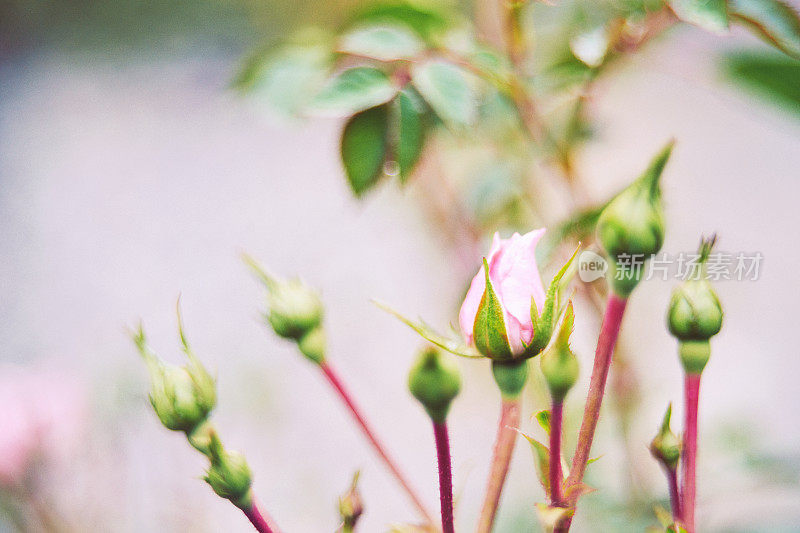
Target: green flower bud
x,y
434,381
182,397
294,308
351,506
228,474
695,314
559,364
313,345
666,446
631,227
510,377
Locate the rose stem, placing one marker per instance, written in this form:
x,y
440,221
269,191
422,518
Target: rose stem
x,y
260,520
556,417
674,495
503,449
689,489
337,384
612,320
445,475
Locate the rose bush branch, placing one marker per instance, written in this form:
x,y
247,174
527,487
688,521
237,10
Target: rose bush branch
x,y
295,312
183,398
630,229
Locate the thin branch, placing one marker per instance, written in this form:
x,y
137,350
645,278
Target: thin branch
x,y
340,389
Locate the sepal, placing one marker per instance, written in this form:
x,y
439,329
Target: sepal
x,y
489,331
455,346
544,322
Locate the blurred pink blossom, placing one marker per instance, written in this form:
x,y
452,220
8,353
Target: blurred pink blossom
x,y
42,416
515,277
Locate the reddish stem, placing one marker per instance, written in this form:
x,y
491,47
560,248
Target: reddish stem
x,y
445,475
261,521
337,384
501,459
556,417
689,489
612,320
674,494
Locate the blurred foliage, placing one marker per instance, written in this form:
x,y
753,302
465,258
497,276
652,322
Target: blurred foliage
x,y
773,77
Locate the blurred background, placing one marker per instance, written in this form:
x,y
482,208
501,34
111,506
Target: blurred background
x,y
131,171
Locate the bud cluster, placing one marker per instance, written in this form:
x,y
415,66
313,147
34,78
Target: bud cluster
x,y
183,398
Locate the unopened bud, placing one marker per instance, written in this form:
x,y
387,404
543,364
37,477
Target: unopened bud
x,y
294,308
182,397
435,382
351,506
228,474
559,364
666,446
695,315
631,227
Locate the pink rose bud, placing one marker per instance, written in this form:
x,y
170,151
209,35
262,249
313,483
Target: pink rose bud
x,y
517,283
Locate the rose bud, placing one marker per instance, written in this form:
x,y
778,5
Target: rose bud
x,y
666,446
351,506
294,312
229,475
182,396
435,382
496,313
695,315
631,227
559,364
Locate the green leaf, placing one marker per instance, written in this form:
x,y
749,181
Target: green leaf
x,y
363,148
409,134
286,78
353,90
453,346
489,331
448,90
774,77
711,15
383,42
775,21
429,21
541,459
543,417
